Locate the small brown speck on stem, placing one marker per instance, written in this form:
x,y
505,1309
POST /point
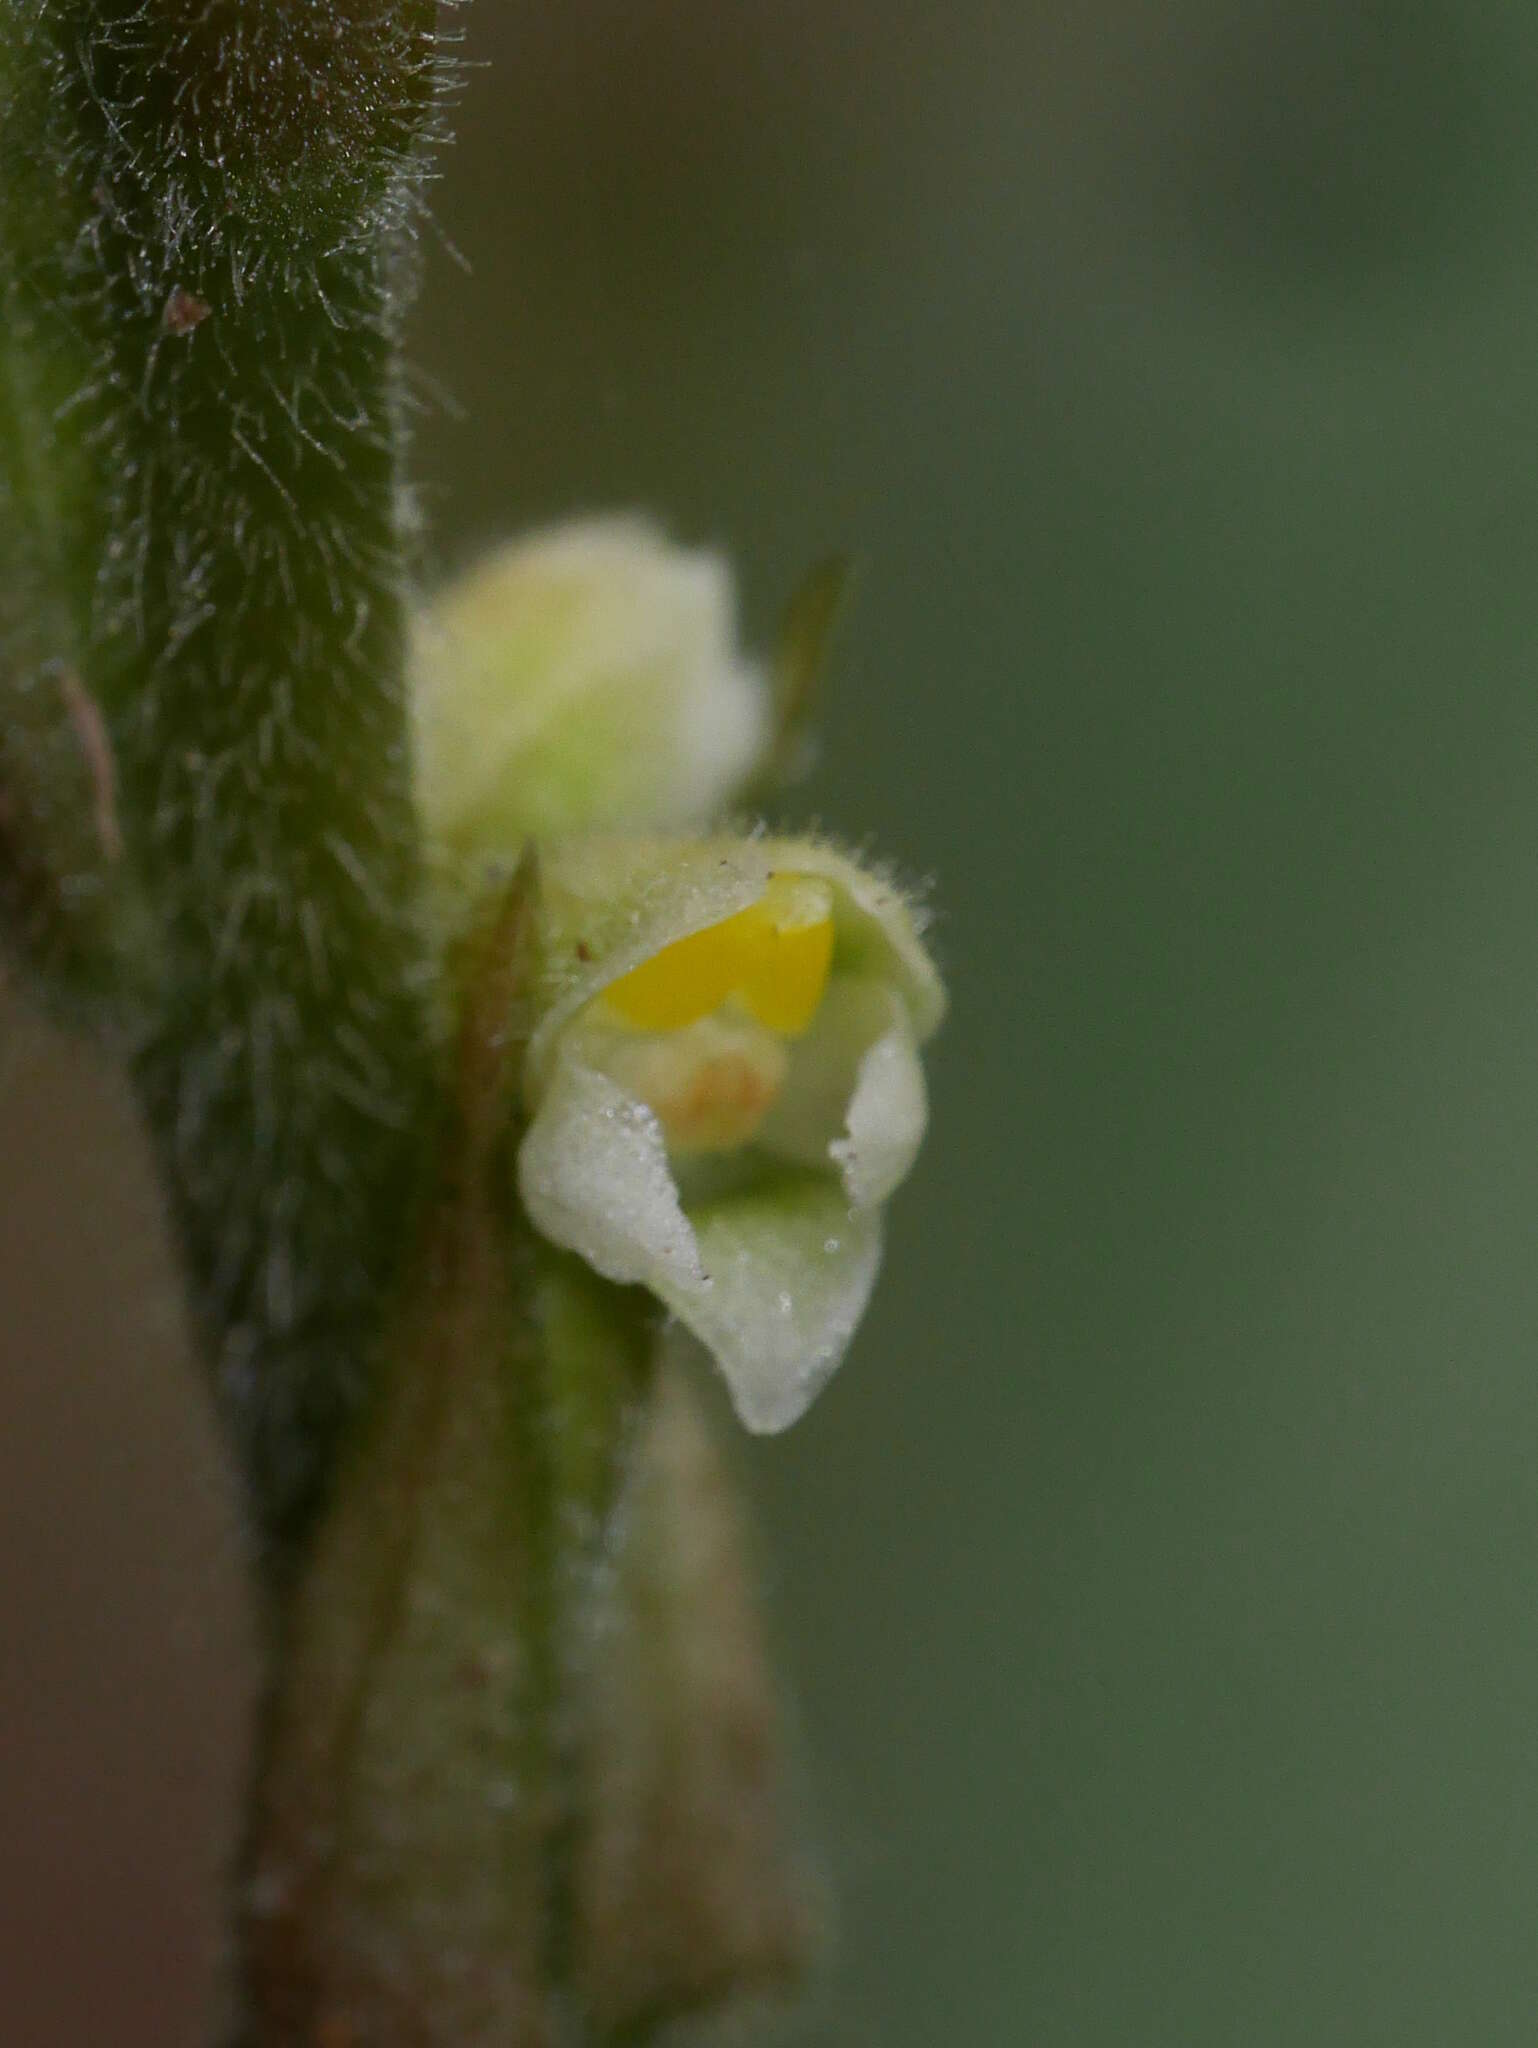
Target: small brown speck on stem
x,y
184,311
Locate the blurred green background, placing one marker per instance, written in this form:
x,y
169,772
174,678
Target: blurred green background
x,y
1159,1579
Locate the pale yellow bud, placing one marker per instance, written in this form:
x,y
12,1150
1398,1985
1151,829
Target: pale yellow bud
x,y
588,675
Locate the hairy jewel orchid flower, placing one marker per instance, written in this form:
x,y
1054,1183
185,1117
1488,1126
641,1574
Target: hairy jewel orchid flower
x,y
722,1080
725,1088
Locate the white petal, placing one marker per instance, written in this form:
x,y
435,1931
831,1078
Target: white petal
x,y
854,1096
879,929
886,1119
790,1272
594,1176
773,1282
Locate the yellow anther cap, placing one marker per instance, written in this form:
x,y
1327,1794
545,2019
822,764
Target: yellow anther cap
x,y
773,958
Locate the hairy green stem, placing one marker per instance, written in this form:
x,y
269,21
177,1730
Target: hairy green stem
x,y
206,209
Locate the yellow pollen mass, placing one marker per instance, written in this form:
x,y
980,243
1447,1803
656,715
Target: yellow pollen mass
x,y
772,957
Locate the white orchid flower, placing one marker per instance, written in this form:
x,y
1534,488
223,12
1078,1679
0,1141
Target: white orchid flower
x,y
724,1088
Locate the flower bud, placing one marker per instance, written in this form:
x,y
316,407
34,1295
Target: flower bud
x,y
725,1087
587,675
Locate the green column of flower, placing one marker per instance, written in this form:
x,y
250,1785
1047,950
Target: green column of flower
x,y
204,215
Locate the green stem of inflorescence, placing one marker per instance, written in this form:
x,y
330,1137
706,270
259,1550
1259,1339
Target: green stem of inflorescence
x,y
205,219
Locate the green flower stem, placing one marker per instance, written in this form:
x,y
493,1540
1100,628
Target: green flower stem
x,y
203,215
